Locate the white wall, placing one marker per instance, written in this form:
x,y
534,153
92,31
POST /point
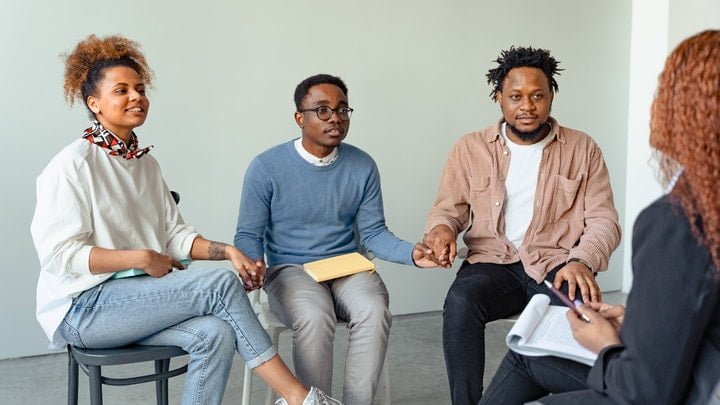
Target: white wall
x,y
657,27
226,71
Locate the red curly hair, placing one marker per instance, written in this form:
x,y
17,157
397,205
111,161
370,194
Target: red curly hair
x,y
685,132
84,65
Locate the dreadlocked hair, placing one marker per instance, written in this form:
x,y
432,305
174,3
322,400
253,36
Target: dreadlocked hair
x,y
522,57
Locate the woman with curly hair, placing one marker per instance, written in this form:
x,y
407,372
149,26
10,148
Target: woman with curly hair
x,y
665,347
109,236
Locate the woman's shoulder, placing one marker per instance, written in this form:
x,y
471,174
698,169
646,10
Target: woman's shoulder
x,y
663,234
70,159
666,208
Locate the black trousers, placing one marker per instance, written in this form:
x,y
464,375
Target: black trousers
x,y
481,293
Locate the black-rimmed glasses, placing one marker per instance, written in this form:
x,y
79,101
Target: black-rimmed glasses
x,y
325,113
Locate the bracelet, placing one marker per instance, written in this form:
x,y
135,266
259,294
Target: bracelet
x,y
581,261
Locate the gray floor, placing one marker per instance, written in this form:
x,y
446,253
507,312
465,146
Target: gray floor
x,y
417,370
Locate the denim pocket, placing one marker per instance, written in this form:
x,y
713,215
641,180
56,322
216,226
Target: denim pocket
x,y
70,334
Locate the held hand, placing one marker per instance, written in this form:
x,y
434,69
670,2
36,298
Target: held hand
x,y
595,335
442,241
579,276
158,265
423,256
259,279
252,273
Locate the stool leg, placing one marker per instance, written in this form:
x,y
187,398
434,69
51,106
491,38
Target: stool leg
x,y
165,382
161,386
95,385
72,379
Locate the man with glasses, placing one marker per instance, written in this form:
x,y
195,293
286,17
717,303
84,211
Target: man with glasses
x,y
317,197
534,201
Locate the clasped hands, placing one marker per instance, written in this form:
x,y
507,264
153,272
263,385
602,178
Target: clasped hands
x,y
442,245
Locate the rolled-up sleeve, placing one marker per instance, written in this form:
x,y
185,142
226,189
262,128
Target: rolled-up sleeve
x,y
180,235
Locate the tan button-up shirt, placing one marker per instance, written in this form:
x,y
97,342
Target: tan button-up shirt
x,y
573,213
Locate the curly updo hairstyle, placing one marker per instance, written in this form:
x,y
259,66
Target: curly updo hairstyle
x,y
685,133
85,65
522,57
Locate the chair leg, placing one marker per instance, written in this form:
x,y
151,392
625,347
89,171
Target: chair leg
x,y
275,336
161,386
247,386
385,383
95,385
72,380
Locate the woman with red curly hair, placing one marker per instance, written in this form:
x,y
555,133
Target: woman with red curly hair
x,y
109,236
665,347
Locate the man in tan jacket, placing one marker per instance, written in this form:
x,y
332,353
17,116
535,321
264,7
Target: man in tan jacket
x,y
534,201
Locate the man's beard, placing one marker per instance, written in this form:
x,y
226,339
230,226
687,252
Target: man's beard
x,y
529,136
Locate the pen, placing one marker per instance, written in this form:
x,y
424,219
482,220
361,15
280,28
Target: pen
x,y
566,301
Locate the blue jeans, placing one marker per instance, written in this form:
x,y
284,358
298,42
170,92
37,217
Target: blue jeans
x,y
481,293
206,312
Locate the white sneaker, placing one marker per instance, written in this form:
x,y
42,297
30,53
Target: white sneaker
x,y
314,397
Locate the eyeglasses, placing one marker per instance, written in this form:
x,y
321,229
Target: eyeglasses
x,y
325,113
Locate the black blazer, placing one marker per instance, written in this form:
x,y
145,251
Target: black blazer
x,y
671,332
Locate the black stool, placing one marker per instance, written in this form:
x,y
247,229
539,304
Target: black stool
x,y
91,361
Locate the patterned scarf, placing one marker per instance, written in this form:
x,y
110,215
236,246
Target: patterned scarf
x,y
103,138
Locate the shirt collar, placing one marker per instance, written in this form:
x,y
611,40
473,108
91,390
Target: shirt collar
x,y
554,131
312,159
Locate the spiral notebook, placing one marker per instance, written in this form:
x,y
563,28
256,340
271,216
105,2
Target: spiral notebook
x,y
338,266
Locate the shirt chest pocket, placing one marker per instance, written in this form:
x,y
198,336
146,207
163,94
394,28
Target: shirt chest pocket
x,y
481,198
567,202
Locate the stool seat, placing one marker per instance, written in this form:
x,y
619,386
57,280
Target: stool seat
x,y
91,361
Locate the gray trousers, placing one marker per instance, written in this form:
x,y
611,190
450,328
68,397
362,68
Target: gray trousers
x,y
311,310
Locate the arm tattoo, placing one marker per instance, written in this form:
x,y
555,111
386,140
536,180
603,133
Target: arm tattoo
x,y
216,250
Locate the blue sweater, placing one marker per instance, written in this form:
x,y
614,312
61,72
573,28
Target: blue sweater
x,y
296,212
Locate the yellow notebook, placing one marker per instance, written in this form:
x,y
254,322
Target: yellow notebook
x,y
338,266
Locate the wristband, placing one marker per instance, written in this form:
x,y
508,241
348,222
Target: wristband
x,y
581,261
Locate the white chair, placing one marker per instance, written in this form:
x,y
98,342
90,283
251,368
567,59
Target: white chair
x,y
274,328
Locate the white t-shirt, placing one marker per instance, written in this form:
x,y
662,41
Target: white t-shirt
x,y
520,186
86,198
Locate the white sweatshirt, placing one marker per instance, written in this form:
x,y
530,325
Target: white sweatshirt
x,y
86,198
